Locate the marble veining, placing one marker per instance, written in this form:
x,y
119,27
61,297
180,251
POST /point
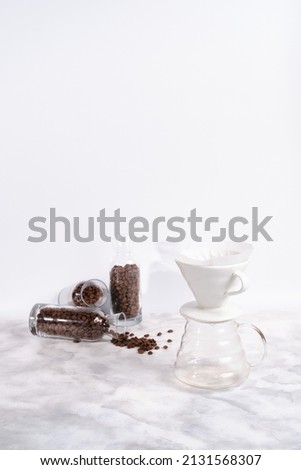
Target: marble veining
x,y
57,394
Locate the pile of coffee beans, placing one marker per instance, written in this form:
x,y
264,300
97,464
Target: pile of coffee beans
x,y
125,290
67,322
142,344
90,295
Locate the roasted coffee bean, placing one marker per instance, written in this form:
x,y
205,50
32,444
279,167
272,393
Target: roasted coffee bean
x,y
65,322
90,295
169,331
125,290
143,344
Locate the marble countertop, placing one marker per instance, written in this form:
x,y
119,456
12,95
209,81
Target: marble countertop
x,y
57,394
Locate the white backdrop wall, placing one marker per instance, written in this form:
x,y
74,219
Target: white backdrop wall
x,y
154,107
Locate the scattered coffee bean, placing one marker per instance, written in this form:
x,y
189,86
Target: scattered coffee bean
x,y
142,344
169,331
125,290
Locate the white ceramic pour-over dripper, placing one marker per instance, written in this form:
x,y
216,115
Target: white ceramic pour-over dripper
x,y
212,283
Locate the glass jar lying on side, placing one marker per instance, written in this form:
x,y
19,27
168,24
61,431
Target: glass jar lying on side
x,y
75,323
91,293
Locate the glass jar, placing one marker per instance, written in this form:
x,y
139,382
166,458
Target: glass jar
x,y
125,284
211,355
75,323
92,293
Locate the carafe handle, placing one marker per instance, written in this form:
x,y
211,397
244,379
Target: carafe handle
x,y
262,337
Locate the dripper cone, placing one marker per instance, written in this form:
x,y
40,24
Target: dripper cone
x,y
214,275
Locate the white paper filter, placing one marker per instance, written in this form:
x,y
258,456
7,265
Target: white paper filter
x,y
225,254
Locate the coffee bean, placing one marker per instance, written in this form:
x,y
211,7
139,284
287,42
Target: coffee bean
x,y
125,290
76,323
169,331
90,295
143,344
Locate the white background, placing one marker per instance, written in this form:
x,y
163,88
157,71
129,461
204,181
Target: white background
x,y
155,107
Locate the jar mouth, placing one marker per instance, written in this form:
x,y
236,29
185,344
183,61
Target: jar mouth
x,y
32,327
94,293
32,319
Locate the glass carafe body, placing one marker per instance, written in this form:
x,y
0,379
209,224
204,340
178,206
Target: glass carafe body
x,y
211,355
